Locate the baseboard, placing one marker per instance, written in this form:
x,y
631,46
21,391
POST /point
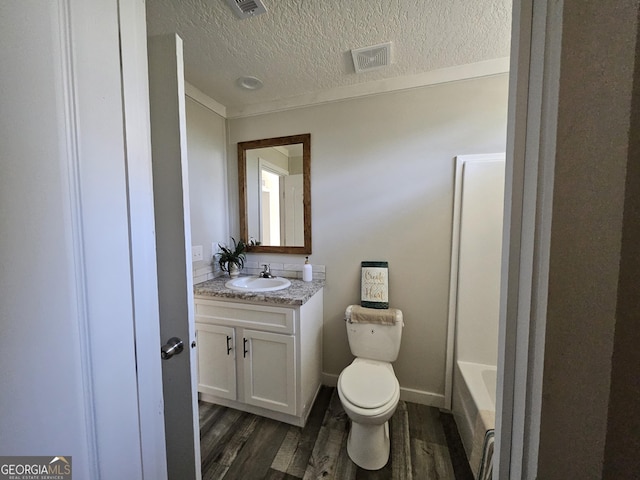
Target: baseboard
x,y
407,394
423,398
329,379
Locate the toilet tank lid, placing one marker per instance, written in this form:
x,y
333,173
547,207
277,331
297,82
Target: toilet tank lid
x,y
368,384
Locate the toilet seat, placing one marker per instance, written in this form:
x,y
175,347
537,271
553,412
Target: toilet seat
x,y
368,384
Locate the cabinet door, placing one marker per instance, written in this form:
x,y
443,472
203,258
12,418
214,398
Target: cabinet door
x,y
269,371
216,360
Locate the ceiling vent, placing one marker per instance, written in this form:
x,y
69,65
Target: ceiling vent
x,y
371,58
247,8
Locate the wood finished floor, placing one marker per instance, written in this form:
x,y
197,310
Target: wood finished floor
x,y
240,446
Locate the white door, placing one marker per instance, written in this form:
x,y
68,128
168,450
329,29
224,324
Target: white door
x,y
173,244
294,211
216,360
269,370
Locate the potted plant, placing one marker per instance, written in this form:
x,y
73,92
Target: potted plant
x,y
231,260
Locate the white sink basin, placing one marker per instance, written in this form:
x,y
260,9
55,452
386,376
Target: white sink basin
x,y
257,284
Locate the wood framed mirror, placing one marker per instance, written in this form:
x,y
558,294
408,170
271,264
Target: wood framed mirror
x,y
274,176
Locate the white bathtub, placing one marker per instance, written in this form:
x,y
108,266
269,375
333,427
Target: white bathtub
x,y
474,405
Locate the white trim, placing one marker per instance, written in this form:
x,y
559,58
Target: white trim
x,y
533,92
329,379
453,279
146,317
282,150
422,397
516,132
485,68
72,155
271,168
412,395
205,100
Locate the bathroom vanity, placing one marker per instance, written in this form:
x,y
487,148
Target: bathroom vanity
x,y
260,352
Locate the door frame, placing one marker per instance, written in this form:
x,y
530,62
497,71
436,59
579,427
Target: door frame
x,y
529,180
533,102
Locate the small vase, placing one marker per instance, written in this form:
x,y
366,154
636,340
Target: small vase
x,y
234,271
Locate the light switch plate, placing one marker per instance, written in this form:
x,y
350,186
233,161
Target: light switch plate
x,y
196,253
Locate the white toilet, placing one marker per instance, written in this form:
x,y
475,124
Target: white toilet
x,y
368,388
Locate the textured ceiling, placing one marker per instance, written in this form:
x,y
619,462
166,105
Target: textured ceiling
x,y
303,46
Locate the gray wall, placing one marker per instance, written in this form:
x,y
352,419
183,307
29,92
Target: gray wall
x,y
592,301
623,429
382,170
206,149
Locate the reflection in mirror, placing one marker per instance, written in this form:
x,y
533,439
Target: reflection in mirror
x,y
275,194
274,207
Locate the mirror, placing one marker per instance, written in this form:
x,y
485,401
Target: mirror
x,y
274,176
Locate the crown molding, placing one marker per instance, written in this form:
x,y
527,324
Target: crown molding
x,y
205,100
458,73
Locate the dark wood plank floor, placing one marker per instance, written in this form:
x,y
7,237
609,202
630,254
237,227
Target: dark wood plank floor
x,y
235,445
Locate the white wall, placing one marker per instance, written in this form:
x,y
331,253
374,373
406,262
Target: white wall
x,y
206,151
382,170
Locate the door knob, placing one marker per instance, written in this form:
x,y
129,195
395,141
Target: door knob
x,y
173,347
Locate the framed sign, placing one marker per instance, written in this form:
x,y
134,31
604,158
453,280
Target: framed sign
x,y
374,286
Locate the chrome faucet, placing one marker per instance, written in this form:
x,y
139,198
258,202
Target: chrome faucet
x,y
266,273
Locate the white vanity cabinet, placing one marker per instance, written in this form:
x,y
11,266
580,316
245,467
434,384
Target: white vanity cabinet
x,y
269,370
260,358
216,360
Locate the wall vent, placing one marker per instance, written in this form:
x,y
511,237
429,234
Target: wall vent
x,y
371,58
247,8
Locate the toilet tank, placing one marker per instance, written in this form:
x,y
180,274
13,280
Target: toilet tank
x,y
374,341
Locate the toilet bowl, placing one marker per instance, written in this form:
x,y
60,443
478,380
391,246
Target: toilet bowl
x,y
369,392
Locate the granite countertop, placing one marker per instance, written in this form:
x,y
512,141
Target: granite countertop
x,y
297,294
